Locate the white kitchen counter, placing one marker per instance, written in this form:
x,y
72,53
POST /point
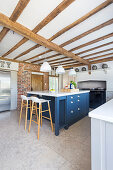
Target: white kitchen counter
x,y
56,94
102,137
104,112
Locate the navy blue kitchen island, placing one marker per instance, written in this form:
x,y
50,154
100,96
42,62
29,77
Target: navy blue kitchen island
x,y
66,108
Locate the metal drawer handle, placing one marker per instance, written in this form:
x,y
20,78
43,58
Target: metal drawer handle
x,y
78,108
71,101
71,111
71,97
78,100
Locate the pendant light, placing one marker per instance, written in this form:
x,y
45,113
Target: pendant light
x,y
72,72
60,70
45,67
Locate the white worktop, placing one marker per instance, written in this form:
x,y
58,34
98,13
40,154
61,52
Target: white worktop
x,y
104,112
56,94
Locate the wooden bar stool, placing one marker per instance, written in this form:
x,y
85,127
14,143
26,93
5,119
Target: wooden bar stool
x,y
26,103
36,101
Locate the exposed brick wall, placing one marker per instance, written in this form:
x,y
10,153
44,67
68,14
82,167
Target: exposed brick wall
x,y
24,80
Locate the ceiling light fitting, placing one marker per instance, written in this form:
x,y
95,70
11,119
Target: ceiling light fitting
x,y
60,70
72,72
45,67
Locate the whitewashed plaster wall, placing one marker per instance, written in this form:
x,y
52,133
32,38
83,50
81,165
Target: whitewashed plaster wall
x,y
95,75
99,75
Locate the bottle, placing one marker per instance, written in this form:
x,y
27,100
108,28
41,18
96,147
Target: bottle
x,y
70,85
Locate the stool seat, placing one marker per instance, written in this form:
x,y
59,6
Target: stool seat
x,y
25,98
37,100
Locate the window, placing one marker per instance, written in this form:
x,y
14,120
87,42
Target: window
x,y
53,83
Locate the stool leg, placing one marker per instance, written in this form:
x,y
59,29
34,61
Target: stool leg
x,y
50,116
39,121
36,111
41,114
21,112
30,117
30,105
26,115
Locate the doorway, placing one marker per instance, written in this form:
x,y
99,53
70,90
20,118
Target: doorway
x,y
36,82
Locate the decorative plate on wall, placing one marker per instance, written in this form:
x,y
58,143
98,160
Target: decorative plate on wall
x,y
77,69
83,68
94,67
104,66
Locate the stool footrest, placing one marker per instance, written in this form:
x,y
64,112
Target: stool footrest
x,y
45,110
35,122
46,117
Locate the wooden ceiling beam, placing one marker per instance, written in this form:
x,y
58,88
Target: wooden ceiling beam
x,y
81,35
64,4
92,42
105,55
61,62
89,68
85,51
94,48
54,61
20,29
102,60
27,51
15,15
93,62
57,59
66,66
89,14
80,20
16,61
55,55
81,46
45,52
103,51
88,32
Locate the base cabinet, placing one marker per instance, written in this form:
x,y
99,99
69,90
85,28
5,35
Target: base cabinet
x,y
77,107
101,145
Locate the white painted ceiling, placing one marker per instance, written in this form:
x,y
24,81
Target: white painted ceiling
x,y
37,10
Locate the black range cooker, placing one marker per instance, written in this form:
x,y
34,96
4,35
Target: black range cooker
x,y
97,97
97,91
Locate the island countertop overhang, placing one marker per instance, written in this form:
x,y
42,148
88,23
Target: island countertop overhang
x,y
56,94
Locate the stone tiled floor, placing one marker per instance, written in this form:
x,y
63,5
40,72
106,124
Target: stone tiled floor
x,y
22,151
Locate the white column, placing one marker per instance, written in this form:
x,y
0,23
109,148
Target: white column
x,y
13,90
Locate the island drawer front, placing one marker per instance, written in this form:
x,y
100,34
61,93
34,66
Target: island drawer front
x,y
71,99
74,97
71,104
